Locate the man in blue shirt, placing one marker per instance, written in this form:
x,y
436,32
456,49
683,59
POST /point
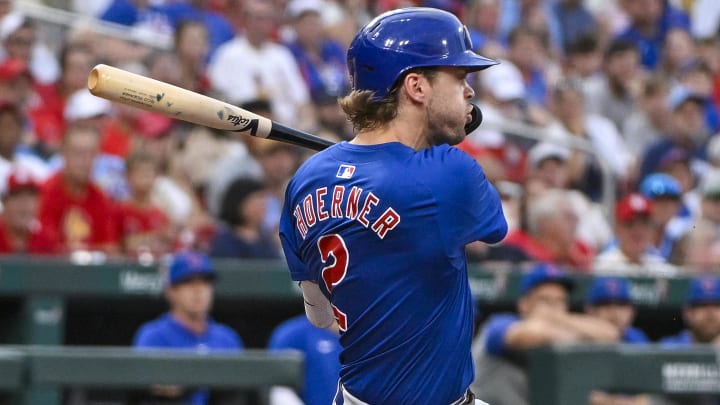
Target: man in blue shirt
x,y
543,318
375,228
321,349
187,325
609,299
701,314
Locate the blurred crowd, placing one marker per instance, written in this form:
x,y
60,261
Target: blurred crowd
x,y
615,168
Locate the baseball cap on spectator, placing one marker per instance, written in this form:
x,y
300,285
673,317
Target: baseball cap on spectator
x,y
504,82
12,68
609,290
631,207
21,181
297,8
152,125
704,290
680,94
710,184
544,273
83,105
189,265
547,150
660,185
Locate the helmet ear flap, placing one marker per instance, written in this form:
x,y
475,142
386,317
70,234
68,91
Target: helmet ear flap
x,y
476,120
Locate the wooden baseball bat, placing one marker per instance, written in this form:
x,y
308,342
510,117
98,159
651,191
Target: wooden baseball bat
x,y
175,102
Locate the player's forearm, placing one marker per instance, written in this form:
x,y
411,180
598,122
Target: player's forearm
x,y
592,329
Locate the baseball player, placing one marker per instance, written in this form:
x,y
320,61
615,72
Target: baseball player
x,y
374,229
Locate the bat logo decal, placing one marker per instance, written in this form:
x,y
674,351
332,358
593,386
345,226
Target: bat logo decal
x,y
248,124
221,114
159,96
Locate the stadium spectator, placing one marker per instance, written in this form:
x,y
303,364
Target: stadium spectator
x,y
47,114
252,66
650,119
243,212
609,299
550,232
670,218
321,350
71,204
574,122
218,27
16,83
527,51
701,314
143,229
19,38
615,96
189,291
548,168
320,59
678,50
191,48
699,250
146,17
11,156
583,58
542,318
632,253
688,133
482,19
699,78
279,161
574,20
20,230
650,21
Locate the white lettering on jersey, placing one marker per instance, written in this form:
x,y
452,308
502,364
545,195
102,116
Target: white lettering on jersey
x,y
358,206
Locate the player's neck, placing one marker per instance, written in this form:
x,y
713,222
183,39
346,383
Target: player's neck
x,y
401,129
195,323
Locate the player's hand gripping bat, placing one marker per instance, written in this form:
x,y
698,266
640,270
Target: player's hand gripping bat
x,y
163,98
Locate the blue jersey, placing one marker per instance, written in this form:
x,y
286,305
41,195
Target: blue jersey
x,y
382,229
166,332
321,349
682,339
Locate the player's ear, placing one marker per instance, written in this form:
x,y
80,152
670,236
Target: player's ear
x,y
416,86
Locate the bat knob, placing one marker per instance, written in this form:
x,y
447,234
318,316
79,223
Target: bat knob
x,y
476,120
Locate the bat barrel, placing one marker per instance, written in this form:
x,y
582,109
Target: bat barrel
x,y
175,102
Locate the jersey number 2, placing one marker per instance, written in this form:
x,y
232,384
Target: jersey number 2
x,y
333,273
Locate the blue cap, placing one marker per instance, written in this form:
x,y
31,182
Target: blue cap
x,y
606,290
190,264
543,273
658,185
704,290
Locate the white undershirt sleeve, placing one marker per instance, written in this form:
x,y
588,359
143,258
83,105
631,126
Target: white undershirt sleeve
x,y
317,308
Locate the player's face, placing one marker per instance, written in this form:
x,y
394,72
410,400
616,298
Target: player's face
x,y
193,297
704,322
449,109
619,314
544,298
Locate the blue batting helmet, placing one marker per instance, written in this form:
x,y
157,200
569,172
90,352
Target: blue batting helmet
x,y
414,37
